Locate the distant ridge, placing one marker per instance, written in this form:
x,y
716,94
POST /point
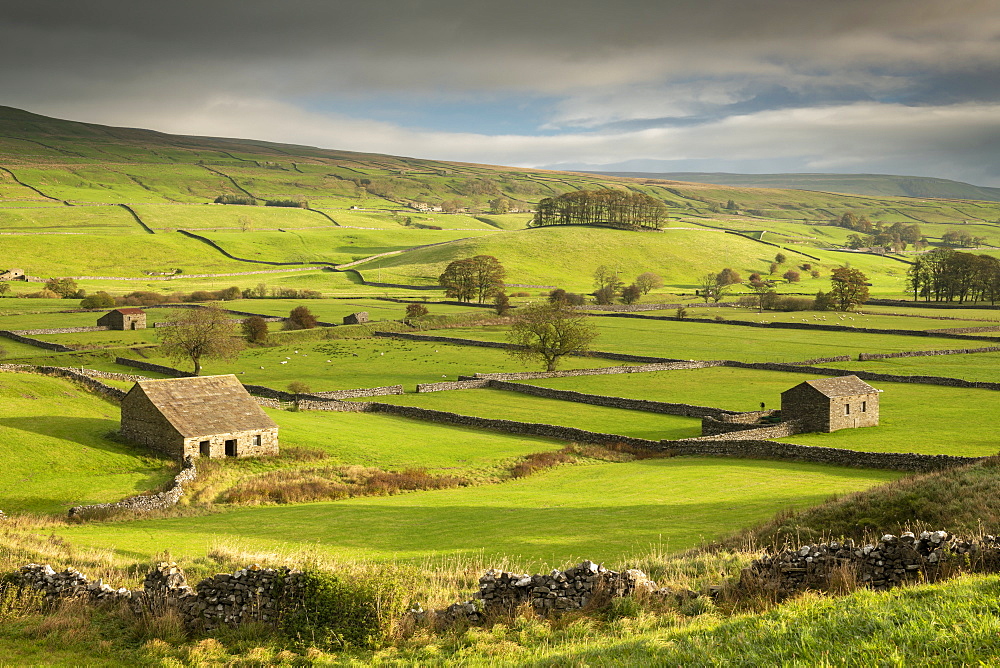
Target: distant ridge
x,y
854,184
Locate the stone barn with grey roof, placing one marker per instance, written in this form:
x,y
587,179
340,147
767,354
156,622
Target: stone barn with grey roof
x,y
829,404
203,416
123,318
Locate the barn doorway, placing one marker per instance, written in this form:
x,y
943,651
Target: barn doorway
x,y
231,448
205,448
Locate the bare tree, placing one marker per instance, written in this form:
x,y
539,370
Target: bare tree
x,y
193,334
548,332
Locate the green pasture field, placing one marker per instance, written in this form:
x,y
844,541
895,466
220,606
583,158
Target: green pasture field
x,y
355,363
946,315
340,245
604,512
690,341
334,310
87,183
196,217
56,452
927,419
450,221
852,319
498,404
978,367
107,339
396,443
15,351
81,318
68,219
567,256
114,255
507,221
382,220
326,282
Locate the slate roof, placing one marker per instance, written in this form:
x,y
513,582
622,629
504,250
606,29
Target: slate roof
x,y
130,310
840,386
205,405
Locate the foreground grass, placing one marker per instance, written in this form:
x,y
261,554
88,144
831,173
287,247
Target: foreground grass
x,y
602,511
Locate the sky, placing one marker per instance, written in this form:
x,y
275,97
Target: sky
x,y
858,86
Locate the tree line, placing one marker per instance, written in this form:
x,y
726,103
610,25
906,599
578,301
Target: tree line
x,y
617,208
948,275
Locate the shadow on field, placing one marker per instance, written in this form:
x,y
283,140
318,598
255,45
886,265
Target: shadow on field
x,y
91,432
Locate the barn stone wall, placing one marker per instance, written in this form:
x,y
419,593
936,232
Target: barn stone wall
x,y
246,444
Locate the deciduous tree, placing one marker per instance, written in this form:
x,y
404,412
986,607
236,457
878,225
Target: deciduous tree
x,y
849,288
255,329
648,281
200,333
548,332
300,317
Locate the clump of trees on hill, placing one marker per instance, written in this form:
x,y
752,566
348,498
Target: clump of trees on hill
x,y
895,237
616,208
478,278
228,198
146,298
948,275
293,203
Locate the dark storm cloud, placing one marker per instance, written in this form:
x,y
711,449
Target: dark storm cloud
x,y
614,81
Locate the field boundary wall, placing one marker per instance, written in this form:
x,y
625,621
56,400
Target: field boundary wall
x,y
142,503
46,345
926,353
60,330
85,379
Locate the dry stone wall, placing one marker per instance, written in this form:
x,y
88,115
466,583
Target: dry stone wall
x,y
764,449
60,330
155,368
144,503
84,378
46,345
926,353
863,375
892,561
535,375
557,592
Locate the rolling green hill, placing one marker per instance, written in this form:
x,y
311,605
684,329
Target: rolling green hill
x,y
858,184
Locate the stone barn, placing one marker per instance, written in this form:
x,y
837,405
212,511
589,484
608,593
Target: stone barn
x,y
202,416
359,318
123,318
12,275
829,404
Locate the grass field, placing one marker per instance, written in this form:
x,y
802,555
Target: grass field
x,y
68,219
197,217
604,512
331,244
498,404
347,364
56,451
979,367
942,413
681,340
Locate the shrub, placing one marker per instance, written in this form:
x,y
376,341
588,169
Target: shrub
x,y
98,300
755,277
793,304
631,294
604,295
501,303
300,317
806,266
822,302
414,311
729,277
294,203
64,287
43,294
681,312
557,296
791,276
814,273
522,293
298,387
337,614
255,329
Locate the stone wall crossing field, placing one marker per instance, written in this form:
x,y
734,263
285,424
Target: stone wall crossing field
x,y
922,353
55,347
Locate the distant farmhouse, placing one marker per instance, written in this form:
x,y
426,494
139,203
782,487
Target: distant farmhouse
x,y
359,318
123,318
206,416
12,275
829,404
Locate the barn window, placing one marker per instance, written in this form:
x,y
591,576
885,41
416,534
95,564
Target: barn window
x,y
847,409
256,440
205,448
864,406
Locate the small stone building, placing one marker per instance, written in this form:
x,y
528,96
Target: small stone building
x,y
829,404
12,275
359,318
203,416
123,318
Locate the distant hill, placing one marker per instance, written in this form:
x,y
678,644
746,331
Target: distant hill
x,y
855,184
